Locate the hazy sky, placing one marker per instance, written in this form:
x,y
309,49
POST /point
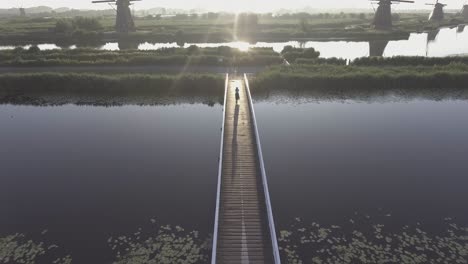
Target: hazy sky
x,y
236,5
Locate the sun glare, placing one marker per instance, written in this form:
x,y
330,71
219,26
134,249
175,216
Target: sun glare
x,y
242,46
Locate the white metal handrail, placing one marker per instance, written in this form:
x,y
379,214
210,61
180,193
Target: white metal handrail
x,y
218,192
271,222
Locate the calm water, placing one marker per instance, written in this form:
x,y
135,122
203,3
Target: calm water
x,y
88,173
446,42
327,161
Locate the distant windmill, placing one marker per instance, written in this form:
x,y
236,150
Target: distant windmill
x,y
464,12
124,22
22,12
383,14
437,13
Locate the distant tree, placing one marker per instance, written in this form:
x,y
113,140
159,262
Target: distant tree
x,y
87,23
63,26
181,16
225,51
193,49
292,54
179,38
302,15
311,53
287,48
212,15
18,50
247,22
362,16
395,17
304,24
34,49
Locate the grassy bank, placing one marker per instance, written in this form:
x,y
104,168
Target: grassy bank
x,y
317,81
408,61
193,55
57,89
338,78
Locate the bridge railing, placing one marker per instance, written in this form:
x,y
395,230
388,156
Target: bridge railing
x,y
220,170
271,221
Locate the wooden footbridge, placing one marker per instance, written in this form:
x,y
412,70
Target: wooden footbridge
x,y
244,230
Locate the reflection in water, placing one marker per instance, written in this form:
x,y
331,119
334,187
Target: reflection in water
x,y
451,41
461,28
87,173
432,35
377,47
402,157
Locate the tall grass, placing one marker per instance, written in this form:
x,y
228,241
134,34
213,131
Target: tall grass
x,y
408,61
59,88
353,77
221,56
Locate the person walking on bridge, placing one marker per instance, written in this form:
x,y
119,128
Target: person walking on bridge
x,y
237,94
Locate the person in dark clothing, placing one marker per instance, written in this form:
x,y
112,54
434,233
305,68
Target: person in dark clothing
x,y
237,94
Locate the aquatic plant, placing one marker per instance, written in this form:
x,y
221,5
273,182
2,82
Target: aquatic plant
x,y
18,249
162,245
366,242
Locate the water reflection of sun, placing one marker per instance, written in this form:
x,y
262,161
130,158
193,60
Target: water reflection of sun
x,y
240,45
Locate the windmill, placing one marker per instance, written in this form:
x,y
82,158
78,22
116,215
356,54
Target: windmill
x,y
464,12
437,13
383,14
124,22
22,11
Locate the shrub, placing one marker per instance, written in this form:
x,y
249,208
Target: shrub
x,y
63,26
34,49
87,24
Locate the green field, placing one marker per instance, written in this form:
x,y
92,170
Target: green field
x,y
215,28
191,56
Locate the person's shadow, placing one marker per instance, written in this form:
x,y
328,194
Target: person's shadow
x,y
234,141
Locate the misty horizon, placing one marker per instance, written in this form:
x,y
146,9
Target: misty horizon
x,y
237,6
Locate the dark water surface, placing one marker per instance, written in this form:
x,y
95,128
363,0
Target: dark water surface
x,y
88,173
327,161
